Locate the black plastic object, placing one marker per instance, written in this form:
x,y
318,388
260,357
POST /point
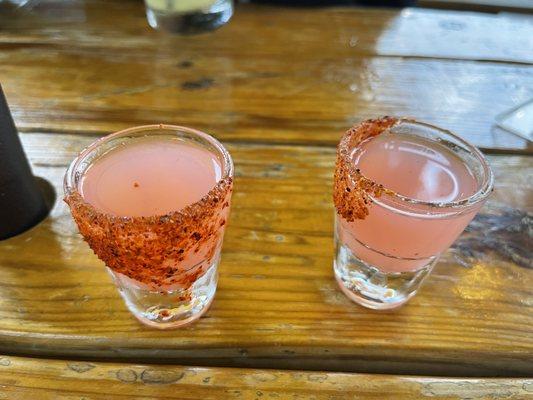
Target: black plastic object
x,y
22,204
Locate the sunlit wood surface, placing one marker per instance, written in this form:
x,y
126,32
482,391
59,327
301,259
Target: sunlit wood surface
x,y
525,6
271,75
278,87
277,302
22,379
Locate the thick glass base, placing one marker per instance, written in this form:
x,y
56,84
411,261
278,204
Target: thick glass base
x,y
191,22
368,286
169,308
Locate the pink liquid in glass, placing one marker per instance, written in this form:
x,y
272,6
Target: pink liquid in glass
x,y
403,238
150,176
154,176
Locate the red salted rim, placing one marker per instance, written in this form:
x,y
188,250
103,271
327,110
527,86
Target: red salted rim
x,y
70,180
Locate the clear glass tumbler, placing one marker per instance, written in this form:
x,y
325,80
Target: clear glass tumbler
x,y
165,266
188,16
386,243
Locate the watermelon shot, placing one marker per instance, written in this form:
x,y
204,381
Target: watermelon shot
x,y
152,202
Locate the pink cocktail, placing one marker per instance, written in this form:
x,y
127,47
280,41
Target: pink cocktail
x,y
152,202
404,191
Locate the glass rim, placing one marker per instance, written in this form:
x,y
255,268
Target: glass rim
x,y
70,186
485,188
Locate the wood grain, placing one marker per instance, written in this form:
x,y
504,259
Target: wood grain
x,y
495,6
22,378
277,304
271,75
121,25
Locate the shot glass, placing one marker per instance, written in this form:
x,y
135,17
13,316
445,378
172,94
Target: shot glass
x,y
386,242
165,266
188,16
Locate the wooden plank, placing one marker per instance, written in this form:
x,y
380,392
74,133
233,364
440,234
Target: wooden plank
x,y
282,31
113,71
22,378
277,304
265,101
525,6
458,35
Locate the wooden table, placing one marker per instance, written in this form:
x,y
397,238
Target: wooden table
x,y
21,378
278,87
